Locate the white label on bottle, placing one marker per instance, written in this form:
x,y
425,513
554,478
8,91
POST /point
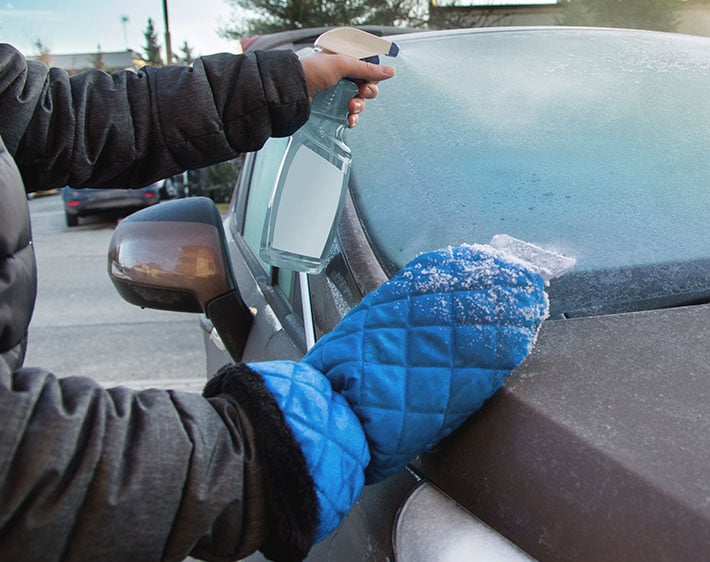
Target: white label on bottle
x,y
308,205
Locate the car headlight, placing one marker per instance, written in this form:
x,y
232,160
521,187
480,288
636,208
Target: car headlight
x,y
432,527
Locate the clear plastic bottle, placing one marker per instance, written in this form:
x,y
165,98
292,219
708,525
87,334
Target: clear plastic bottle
x,y
308,197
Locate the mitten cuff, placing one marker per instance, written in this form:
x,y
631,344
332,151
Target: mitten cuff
x,y
328,432
288,484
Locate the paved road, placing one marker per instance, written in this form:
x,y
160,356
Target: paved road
x,y
81,326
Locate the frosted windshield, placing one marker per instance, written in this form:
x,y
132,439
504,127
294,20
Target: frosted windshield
x,y
596,144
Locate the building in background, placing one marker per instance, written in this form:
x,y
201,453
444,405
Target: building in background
x,y
460,13
108,61
693,15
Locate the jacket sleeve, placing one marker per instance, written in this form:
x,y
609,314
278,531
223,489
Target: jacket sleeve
x,y
128,128
88,473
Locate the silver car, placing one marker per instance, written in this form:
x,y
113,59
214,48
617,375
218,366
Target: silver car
x,y
592,142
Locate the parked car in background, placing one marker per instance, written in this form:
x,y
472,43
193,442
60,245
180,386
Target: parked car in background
x,y
94,201
592,142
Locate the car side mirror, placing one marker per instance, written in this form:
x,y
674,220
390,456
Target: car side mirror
x,y
173,256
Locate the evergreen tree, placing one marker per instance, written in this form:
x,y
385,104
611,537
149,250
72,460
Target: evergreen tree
x,y
187,55
43,53
98,59
659,15
152,47
270,16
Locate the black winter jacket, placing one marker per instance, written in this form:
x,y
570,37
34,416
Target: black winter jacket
x,y
88,473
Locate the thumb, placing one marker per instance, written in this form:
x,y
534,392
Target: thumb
x,y
366,71
323,71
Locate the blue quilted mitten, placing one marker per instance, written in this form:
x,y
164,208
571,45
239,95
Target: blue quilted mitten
x,y
417,356
399,372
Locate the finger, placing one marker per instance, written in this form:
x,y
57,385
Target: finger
x,y
368,90
356,105
353,120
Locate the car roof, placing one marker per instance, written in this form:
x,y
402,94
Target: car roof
x,y
299,38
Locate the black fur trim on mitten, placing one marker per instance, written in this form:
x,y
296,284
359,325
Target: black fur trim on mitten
x,y
291,492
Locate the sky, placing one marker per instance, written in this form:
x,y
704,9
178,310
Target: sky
x,y
79,26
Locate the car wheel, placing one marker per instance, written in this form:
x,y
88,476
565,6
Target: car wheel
x,y
72,220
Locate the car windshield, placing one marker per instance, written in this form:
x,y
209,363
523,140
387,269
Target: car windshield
x,y
593,143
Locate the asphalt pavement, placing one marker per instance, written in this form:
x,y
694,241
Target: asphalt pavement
x,y
81,326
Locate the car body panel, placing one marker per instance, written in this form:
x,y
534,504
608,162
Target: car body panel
x,y
296,39
367,531
452,533
598,446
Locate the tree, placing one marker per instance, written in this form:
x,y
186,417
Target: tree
x,y
453,17
659,15
98,59
216,181
187,57
152,46
270,16
43,53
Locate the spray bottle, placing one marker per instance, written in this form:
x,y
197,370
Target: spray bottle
x,y
309,194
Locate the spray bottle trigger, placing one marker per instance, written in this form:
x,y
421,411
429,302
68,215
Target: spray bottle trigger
x,y
355,43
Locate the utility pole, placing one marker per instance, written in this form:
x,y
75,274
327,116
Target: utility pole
x,y
124,21
168,47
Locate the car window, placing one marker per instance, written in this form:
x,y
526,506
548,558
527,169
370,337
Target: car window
x,y
265,168
594,143
263,178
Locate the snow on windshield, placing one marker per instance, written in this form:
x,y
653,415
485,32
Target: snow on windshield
x,y
595,144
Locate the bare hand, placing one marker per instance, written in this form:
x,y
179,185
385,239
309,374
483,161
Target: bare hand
x,y
323,71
